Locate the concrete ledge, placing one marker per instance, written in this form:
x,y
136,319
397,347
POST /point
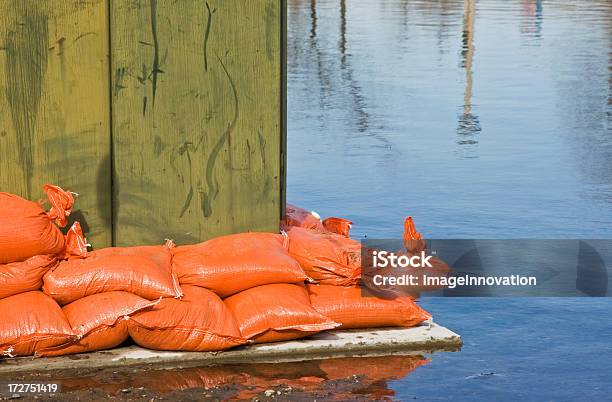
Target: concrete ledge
x,y
371,342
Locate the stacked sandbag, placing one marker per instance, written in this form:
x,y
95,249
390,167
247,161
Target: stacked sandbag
x,y
20,277
31,321
30,240
230,264
261,283
200,322
212,296
326,257
145,271
334,260
99,293
355,307
277,312
32,244
99,322
26,230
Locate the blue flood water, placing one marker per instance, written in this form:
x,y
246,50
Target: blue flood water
x,y
518,349
482,119
379,122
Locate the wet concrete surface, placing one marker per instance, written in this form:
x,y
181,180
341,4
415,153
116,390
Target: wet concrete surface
x,y
353,379
428,337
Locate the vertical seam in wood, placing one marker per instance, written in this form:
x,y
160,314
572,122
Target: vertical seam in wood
x,y
111,127
283,106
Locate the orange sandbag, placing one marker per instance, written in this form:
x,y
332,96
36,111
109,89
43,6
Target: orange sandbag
x,y
31,321
354,309
230,264
20,277
299,217
328,258
199,322
27,230
415,245
99,321
338,225
413,240
145,271
277,312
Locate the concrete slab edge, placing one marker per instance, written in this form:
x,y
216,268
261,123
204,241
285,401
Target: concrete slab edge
x,y
347,343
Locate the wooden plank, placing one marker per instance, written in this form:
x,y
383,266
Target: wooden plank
x,y
54,104
197,118
283,161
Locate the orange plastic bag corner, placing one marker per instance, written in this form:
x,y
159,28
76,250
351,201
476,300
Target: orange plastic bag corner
x,y
338,225
61,203
413,240
76,243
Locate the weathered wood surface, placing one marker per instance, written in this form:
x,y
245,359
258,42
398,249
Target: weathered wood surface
x,y
197,118
54,104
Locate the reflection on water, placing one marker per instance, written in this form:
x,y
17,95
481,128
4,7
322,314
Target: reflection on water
x,y
332,379
480,118
531,18
469,125
313,18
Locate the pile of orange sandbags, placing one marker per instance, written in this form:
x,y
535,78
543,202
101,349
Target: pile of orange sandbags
x,y
31,244
329,256
132,292
58,298
100,292
262,285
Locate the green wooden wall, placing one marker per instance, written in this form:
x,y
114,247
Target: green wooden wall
x,y
166,116
54,104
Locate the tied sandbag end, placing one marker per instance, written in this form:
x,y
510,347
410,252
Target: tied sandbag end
x,y
61,203
76,243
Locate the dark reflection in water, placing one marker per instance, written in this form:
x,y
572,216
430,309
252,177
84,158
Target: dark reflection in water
x,y
313,18
330,379
342,41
